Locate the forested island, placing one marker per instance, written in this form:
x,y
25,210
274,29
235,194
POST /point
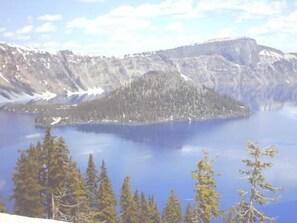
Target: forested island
x,y
48,184
154,97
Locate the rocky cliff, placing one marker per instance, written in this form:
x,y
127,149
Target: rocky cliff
x,y
30,74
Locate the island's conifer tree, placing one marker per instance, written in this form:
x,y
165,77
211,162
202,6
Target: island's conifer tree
x,y
207,198
172,211
105,199
248,209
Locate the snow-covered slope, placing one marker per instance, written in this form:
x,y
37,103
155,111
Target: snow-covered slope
x,y
8,218
30,74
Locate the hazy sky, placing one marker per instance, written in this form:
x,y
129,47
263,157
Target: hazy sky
x,y
107,27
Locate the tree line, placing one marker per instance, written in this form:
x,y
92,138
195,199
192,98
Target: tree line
x,y
48,184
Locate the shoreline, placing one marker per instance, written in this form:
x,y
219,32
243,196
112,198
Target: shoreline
x,y
132,123
142,123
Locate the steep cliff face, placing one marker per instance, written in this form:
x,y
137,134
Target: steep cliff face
x,y
30,74
243,51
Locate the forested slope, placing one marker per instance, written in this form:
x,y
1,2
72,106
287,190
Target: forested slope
x,y
154,97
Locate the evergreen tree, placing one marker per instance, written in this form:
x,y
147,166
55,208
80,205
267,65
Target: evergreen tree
x,y
46,174
3,208
27,188
230,215
247,210
129,212
172,212
74,203
125,199
56,169
189,215
144,209
154,213
136,200
106,201
91,183
207,197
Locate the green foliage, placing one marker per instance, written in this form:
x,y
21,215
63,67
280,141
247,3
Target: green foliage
x,y
207,197
144,209
154,213
259,187
27,188
189,215
3,208
129,207
230,216
126,200
136,200
76,194
47,182
106,201
172,212
48,169
91,183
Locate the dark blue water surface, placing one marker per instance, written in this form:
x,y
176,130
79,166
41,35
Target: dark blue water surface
x,y
160,157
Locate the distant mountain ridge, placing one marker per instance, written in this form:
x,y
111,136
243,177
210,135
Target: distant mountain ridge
x,y
30,74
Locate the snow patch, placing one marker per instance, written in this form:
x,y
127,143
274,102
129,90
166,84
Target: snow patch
x,y
23,97
46,95
8,218
15,97
270,56
23,48
56,120
1,75
289,56
89,91
186,78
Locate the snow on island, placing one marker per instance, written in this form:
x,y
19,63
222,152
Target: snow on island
x,y
56,120
8,218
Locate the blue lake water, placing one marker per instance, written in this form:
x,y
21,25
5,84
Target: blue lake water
x,y
160,157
